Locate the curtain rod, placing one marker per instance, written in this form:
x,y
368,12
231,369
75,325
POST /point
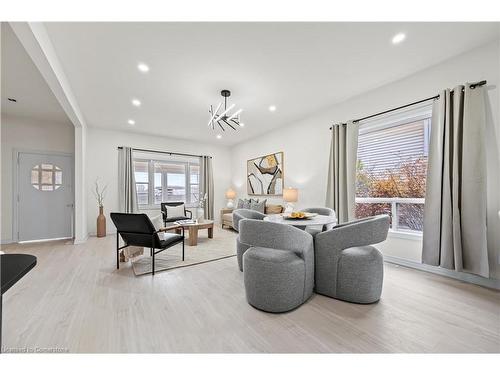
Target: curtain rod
x,y
164,152
472,86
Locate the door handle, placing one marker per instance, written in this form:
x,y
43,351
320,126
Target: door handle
x,y
69,205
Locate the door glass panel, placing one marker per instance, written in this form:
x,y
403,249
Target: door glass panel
x,y
46,177
34,177
58,178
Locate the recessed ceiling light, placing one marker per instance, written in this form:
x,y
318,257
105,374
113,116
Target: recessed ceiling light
x,y
131,122
219,136
12,100
398,38
143,67
136,102
272,108
242,124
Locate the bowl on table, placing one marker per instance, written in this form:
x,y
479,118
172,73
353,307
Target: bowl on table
x,y
299,215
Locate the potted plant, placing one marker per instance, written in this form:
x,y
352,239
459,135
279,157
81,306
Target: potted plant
x,y
101,219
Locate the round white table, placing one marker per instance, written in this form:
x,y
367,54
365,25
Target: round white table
x,y
316,220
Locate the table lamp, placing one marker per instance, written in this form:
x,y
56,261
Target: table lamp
x,y
290,195
230,195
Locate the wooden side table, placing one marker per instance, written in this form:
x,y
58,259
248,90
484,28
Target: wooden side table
x,y
222,212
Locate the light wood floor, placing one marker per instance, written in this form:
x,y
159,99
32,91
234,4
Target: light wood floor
x,y
75,299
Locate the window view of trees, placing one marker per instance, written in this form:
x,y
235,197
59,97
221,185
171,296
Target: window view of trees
x,y
391,174
405,181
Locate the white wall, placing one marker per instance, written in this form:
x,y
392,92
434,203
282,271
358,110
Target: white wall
x,y
27,134
306,143
102,163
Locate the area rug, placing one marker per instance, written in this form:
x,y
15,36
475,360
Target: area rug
x,y
222,246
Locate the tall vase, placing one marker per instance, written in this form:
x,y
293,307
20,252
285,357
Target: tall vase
x,y
200,212
101,223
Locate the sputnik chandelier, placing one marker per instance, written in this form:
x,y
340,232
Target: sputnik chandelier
x,y
224,120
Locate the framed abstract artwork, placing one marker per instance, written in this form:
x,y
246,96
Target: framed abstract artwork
x,y
265,175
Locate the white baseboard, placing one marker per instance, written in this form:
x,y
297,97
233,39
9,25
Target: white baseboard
x,y
79,242
108,233
462,276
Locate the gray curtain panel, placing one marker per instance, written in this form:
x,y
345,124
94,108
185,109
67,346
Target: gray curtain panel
x,y
126,181
341,187
208,185
455,200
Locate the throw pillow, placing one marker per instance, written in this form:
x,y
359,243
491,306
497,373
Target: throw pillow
x,y
259,206
244,203
157,221
176,211
274,209
240,203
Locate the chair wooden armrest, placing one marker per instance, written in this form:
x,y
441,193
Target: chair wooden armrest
x,y
170,227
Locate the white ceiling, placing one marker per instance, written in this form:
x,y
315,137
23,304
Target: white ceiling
x,y
22,81
299,67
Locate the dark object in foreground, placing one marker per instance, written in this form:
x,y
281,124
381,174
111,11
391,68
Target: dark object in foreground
x,y
13,268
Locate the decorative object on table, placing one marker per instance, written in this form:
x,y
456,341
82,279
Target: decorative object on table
x,y
318,220
174,211
101,219
224,120
265,175
200,211
299,215
230,195
290,195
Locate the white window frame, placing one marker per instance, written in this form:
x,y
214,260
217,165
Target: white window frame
x,y
406,116
151,180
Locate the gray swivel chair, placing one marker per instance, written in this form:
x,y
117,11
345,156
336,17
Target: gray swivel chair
x,y
244,213
346,266
278,267
320,211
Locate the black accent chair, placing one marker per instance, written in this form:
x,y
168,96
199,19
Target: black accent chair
x,y
138,230
164,211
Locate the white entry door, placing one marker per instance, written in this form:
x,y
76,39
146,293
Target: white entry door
x,y
45,196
